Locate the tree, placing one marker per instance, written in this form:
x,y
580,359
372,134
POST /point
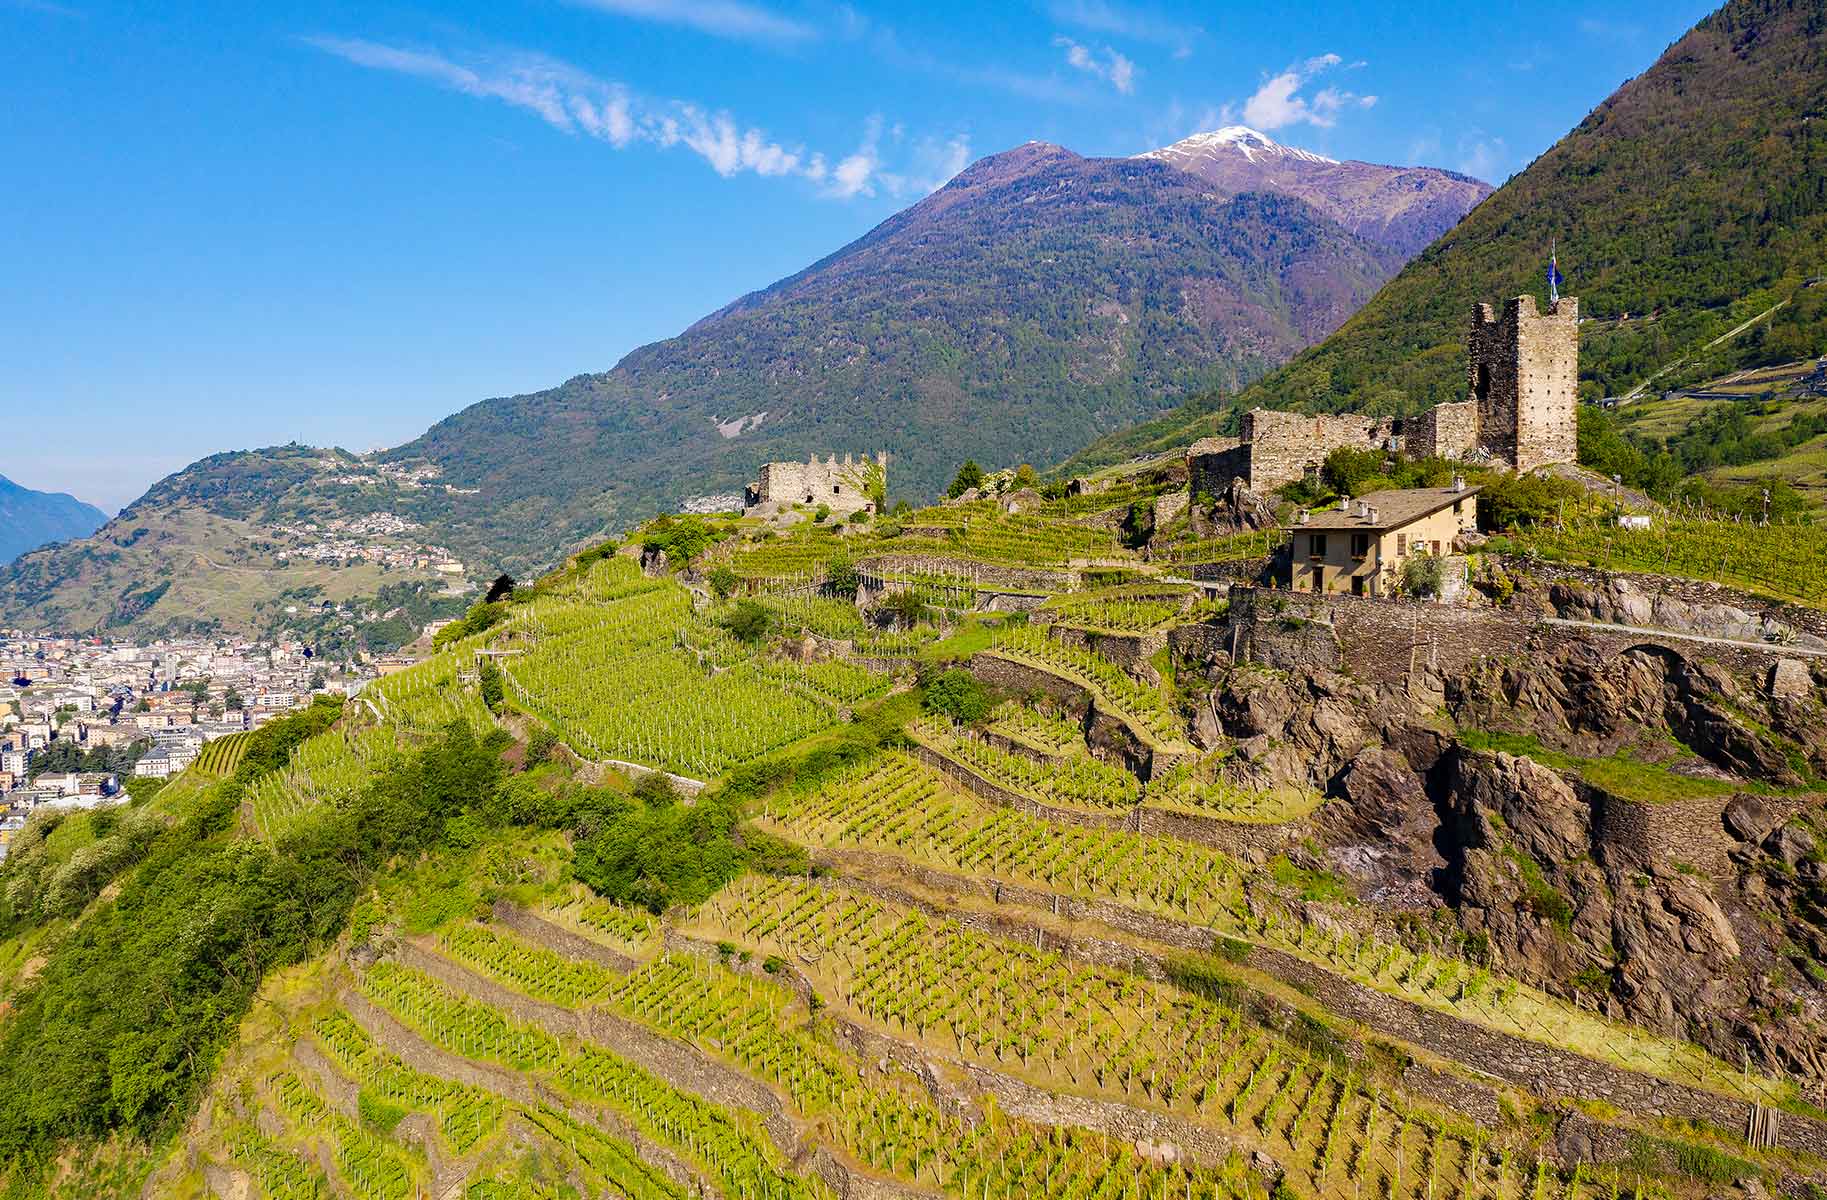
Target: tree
x,y
231,701
722,582
1026,476
906,607
1423,575
969,476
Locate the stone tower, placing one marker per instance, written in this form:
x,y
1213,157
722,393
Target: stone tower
x,y
1522,372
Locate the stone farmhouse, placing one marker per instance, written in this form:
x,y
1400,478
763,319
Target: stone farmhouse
x,y
1522,376
846,487
1361,546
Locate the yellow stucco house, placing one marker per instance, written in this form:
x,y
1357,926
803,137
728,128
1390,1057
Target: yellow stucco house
x,y
1360,546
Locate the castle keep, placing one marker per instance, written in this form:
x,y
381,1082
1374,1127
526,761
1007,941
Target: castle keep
x,y
846,487
1522,376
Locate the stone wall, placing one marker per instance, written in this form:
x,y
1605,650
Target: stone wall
x,y
1211,464
1130,651
841,485
1696,593
1444,431
1285,446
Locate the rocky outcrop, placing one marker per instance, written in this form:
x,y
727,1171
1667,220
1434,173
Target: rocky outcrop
x,y
1620,600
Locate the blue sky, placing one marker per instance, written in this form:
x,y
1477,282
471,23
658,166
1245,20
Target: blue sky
x,y
231,225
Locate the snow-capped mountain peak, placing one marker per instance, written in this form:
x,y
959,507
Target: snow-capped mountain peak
x,y
1252,144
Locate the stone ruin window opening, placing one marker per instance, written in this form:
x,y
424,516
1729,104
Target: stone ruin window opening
x,y
837,489
1482,388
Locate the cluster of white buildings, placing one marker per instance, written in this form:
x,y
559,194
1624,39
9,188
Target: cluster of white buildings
x,y
379,538
151,707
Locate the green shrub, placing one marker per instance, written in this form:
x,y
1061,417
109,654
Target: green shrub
x,y
722,582
959,695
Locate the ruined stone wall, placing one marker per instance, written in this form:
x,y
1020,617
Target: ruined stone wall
x,y
1444,431
1284,446
1211,464
1522,374
839,484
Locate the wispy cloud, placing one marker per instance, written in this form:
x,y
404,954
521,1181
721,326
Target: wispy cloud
x,y
579,103
1279,102
720,18
1609,31
888,46
1122,20
1474,153
1112,67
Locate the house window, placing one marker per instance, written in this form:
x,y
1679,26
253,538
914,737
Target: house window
x,y
1360,545
1316,545
1401,545
1458,507
837,489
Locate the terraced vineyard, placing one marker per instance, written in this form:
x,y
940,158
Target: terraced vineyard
x,y
1076,780
1146,708
220,757
1198,785
1764,559
638,678
898,807
906,941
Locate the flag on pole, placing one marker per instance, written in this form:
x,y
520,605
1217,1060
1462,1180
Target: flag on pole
x,y
1555,279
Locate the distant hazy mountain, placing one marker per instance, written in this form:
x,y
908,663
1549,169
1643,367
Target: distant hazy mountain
x,y
30,519
1693,200
1404,208
1035,301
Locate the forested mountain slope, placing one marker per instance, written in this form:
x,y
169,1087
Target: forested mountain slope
x,y
1037,298
1691,201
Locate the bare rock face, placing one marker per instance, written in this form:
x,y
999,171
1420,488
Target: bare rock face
x,y
1595,702
1294,731
1382,833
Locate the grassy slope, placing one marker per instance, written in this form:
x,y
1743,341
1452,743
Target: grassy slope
x,y
1697,191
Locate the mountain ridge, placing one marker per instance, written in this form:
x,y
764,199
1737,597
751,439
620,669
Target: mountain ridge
x,y
30,518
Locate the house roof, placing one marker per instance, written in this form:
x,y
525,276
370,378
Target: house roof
x,y
1394,509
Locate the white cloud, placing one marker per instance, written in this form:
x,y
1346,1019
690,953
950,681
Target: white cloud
x,y
1121,20
1278,102
721,18
854,174
577,102
1114,68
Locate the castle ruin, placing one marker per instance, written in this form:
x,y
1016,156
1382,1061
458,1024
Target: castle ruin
x,y
1522,376
845,487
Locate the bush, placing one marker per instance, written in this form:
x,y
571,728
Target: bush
x,y
958,694
722,582
494,691
749,621
1422,575
842,578
540,746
